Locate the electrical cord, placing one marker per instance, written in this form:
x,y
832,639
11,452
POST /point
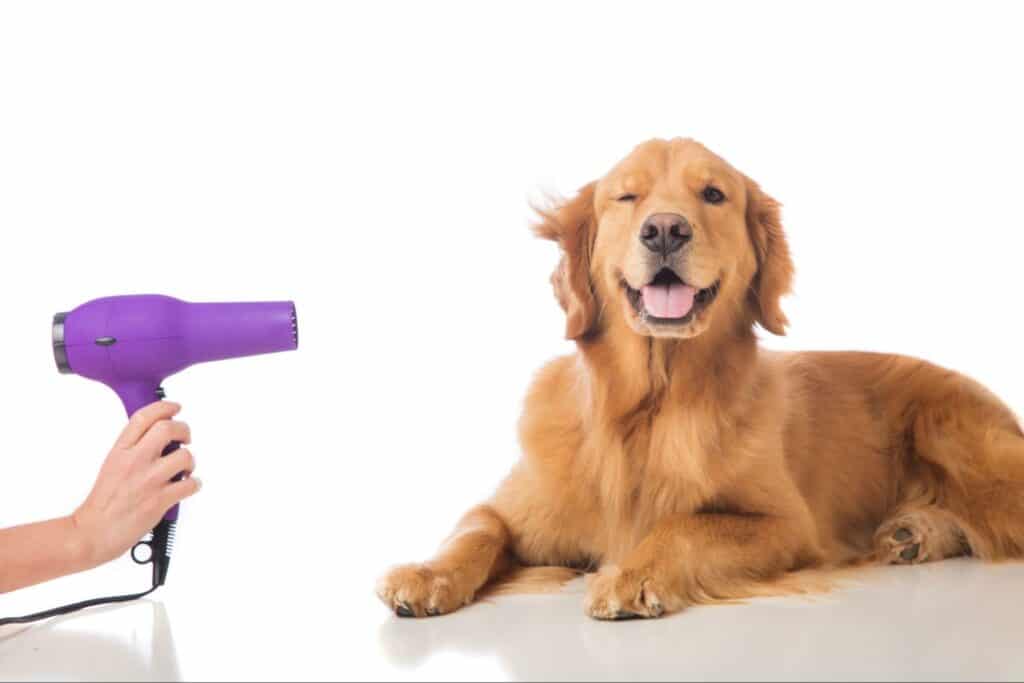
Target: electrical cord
x,y
68,609
160,544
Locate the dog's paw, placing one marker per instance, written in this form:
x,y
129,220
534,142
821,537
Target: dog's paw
x,y
616,595
416,590
919,536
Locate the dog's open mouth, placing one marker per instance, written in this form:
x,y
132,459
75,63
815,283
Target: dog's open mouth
x,y
667,300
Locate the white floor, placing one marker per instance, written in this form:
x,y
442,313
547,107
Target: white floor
x,y
953,620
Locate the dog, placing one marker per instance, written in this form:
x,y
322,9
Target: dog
x,y
680,463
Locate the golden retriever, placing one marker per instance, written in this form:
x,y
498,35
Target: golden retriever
x,y
687,465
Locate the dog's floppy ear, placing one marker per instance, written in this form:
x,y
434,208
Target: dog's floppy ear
x,y
572,225
774,265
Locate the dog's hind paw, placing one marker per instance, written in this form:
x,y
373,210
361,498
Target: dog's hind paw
x,y
918,536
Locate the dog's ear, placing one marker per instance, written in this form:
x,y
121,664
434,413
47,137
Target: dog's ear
x,y
774,266
572,225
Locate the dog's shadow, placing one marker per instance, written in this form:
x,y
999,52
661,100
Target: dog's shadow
x,y
50,651
860,631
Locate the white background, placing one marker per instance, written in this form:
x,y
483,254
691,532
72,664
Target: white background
x,y
375,162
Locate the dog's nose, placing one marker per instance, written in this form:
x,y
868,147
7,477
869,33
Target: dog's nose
x,y
664,233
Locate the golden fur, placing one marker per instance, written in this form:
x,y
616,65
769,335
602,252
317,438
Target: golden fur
x,y
685,464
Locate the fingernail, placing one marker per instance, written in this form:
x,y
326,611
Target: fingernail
x,y
199,483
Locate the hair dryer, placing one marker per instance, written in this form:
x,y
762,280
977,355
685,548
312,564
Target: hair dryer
x,y
133,343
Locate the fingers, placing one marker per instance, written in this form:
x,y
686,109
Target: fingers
x,y
144,419
180,490
180,460
163,433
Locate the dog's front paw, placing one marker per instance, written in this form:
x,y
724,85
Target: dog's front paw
x,y
615,595
417,590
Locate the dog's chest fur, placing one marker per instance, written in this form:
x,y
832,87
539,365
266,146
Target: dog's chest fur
x,y
611,460
657,465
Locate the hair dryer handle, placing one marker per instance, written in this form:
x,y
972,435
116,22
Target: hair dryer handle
x,y
136,396
172,514
161,541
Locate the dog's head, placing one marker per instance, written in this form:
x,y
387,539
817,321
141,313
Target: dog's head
x,y
675,241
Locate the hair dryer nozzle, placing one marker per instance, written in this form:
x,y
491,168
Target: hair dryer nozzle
x,y
219,331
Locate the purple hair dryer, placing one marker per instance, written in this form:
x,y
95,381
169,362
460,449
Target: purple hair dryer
x,y
133,343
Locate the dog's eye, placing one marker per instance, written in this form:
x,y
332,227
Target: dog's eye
x,y
712,195
626,198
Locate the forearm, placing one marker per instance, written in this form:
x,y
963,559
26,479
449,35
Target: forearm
x,y
35,553
718,544
475,553
693,558
711,555
477,549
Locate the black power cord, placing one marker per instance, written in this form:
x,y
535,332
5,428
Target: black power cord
x,y
68,609
160,545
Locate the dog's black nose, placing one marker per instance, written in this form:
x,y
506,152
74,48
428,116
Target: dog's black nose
x,y
664,233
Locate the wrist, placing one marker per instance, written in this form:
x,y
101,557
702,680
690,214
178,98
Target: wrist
x,y
80,544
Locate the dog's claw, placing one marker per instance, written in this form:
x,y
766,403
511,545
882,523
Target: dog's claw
x,y
902,535
911,552
433,612
403,610
623,615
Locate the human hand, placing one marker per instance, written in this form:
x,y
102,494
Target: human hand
x,y
134,489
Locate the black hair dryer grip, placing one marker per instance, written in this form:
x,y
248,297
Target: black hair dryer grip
x,y
157,548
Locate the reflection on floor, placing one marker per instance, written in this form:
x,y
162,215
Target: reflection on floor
x,y
57,650
951,620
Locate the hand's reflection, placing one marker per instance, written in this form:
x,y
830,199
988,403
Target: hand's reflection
x,y
113,643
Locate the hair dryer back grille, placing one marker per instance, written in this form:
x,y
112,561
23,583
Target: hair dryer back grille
x,y
60,353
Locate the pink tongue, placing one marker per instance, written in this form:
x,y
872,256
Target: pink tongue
x,y
668,301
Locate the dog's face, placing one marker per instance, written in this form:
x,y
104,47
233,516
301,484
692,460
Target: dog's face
x,y
673,240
